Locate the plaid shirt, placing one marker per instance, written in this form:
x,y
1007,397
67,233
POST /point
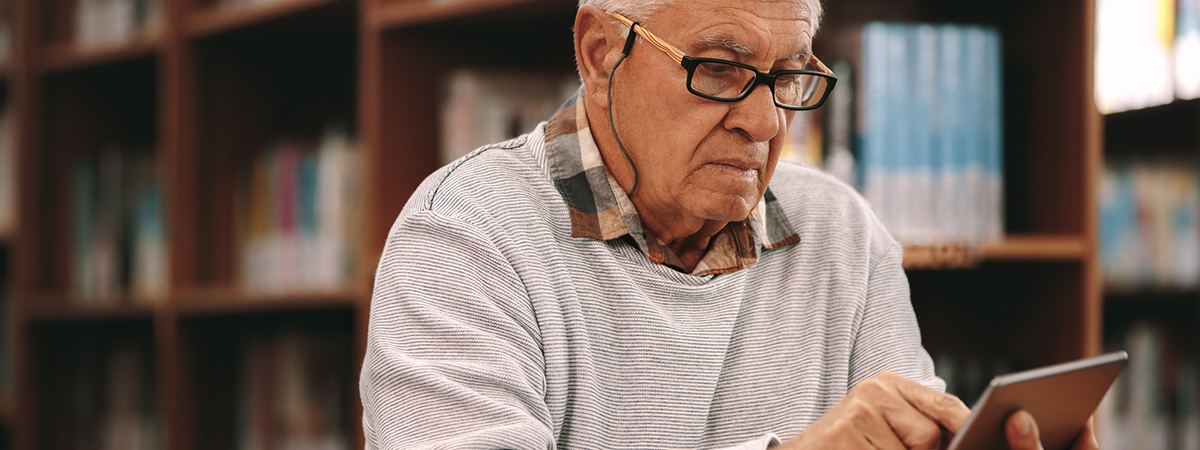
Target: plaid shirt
x,y
600,209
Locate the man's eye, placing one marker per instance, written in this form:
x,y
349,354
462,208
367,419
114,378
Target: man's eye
x,y
717,69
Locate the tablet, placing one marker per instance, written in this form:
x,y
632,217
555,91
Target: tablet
x,y
1060,398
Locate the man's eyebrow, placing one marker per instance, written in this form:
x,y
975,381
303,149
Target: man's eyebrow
x,y
725,41
801,55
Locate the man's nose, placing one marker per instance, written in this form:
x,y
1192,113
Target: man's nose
x,y
756,115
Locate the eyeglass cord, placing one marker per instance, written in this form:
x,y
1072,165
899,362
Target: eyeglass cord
x,y
613,125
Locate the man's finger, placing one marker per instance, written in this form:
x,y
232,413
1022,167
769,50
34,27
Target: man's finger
x,y
1087,437
1022,432
945,409
912,427
880,433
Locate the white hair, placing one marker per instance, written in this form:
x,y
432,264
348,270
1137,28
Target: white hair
x,y
635,10
641,10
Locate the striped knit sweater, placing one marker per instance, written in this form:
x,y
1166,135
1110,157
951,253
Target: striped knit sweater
x,y
492,327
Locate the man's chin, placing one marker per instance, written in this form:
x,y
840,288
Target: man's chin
x,y
734,208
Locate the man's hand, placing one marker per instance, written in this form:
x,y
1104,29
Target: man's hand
x,y
886,412
1022,433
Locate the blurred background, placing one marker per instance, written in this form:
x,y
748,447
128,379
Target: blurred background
x,y
194,194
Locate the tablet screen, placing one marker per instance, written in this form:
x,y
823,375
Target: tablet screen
x,y
1060,398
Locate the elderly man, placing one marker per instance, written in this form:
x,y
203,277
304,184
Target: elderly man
x,y
639,272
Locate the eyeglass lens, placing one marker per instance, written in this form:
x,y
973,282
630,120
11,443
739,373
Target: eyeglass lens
x,y
726,81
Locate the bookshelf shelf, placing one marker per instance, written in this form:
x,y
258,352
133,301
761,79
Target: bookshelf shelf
x,y
1149,296
233,302
400,14
1029,248
1173,128
60,309
67,56
1038,248
222,19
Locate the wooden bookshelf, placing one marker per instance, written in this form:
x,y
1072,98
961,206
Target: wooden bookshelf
x,y
51,309
216,86
216,302
68,56
1166,315
402,14
220,19
1029,248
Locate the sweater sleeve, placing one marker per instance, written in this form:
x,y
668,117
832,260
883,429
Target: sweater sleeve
x,y
453,356
888,338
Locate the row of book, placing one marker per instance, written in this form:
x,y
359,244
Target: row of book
x,y
291,394
1149,228
1147,53
931,131
246,3
7,18
111,22
108,401
7,330
1155,403
825,137
119,235
8,169
301,215
482,106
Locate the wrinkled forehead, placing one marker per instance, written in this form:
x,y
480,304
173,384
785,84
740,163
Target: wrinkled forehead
x,y
775,29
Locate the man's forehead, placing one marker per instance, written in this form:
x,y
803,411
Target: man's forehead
x,y
728,42
789,23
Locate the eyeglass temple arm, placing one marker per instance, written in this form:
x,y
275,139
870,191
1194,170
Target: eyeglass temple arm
x,y
634,27
812,59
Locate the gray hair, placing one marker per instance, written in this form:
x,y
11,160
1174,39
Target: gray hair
x,y
641,10
635,10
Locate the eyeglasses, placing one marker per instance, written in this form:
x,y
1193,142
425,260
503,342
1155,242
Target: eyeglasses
x,y
728,81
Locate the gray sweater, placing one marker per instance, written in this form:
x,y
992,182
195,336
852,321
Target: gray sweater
x,y
492,327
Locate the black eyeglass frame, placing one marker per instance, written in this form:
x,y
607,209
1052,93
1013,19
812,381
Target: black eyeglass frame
x,y
690,64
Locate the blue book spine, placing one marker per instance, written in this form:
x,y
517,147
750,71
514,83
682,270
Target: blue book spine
x,y
994,154
308,194
922,125
977,136
897,154
951,132
874,123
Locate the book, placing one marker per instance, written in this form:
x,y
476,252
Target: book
x,y
1149,230
839,109
1153,404
107,398
119,236
290,392
301,215
1187,50
7,18
485,106
8,170
1133,54
99,23
932,133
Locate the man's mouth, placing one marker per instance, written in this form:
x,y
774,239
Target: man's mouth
x,y
737,167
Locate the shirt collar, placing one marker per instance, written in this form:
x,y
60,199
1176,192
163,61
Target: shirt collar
x,y
599,208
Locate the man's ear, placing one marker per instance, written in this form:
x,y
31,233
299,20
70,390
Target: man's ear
x,y
596,49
